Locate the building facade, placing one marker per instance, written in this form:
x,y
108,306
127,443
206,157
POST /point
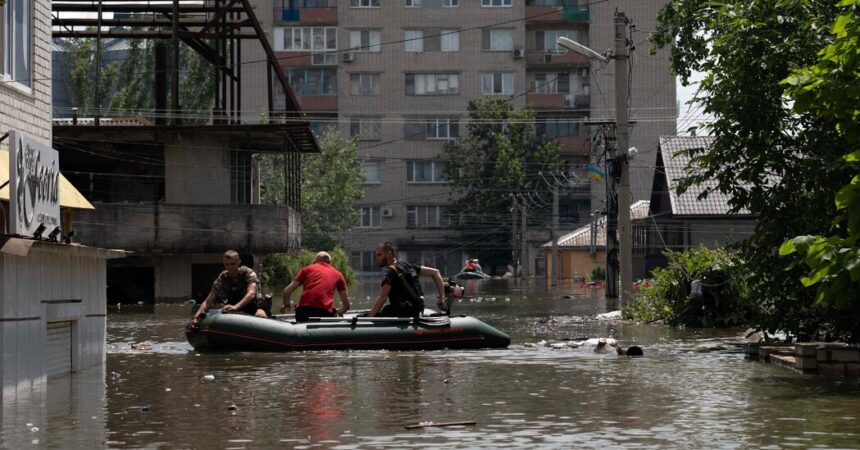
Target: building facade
x,y
398,75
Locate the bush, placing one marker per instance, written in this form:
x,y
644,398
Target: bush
x,y
598,274
725,294
278,269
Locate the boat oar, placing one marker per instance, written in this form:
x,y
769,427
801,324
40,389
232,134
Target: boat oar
x,y
439,424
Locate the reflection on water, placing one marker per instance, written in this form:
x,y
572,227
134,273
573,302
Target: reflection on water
x,y
155,394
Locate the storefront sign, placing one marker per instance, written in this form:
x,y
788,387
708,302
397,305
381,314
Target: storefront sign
x,y
34,185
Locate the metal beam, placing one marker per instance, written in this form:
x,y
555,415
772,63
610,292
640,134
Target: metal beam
x,y
144,34
141,8
138,22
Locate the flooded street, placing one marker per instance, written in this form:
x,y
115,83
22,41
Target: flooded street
x,y
154,395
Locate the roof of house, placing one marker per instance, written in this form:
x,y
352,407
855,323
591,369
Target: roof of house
x,y
677,166
581,237
69,196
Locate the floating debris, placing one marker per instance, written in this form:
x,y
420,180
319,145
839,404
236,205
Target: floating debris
x,y
232,408
612,315
440,424
209,377
144,409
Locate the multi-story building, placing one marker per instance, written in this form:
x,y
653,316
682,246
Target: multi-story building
x,y
399,74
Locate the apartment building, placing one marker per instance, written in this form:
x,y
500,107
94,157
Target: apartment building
x,y
399,74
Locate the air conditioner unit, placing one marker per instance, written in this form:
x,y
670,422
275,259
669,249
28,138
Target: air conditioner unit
x,y
387,212
569,101
547,58
519,53
347,57
583,73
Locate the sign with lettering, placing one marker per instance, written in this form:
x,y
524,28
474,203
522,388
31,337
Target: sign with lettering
x,y
34,185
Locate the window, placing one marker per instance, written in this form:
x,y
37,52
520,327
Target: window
x,y
497,40
365,84
365,40
547,40
370,217
497,83
425,172
324,59
432,84
414,40
16,47
442,129
299,39
364,3
495,3
552,83
312,81
412,3
365,128
450,41
320,3
428,217
557,127
370,170
450,3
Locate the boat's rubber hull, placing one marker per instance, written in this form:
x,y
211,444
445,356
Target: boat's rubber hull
x,y
238,332
472,276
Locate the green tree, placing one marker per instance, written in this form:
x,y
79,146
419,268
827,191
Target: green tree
x,y
79,69
332,182
778,163
500,155
830,89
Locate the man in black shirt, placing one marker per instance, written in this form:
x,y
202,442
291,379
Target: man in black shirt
x,y
401,287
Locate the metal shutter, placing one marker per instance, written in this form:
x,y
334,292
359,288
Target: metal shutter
x,y
59,351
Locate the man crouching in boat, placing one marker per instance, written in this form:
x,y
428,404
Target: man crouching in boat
x,y
401,287
319,281
236,286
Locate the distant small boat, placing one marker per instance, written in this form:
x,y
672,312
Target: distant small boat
x,y
216,331
472,276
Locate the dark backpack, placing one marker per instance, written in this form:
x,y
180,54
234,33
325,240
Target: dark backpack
x,y
409,277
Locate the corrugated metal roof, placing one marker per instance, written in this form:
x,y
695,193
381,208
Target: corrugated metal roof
x,y
69,196
581,237
677,166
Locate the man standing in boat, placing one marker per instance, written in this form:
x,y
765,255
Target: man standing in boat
x,y
400,285
237,286
319,281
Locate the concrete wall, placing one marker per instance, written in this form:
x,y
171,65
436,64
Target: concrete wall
x,y
53,283
197,172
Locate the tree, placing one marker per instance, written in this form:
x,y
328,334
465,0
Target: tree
x,y
500,155
830,89
331,185
79,67
777,163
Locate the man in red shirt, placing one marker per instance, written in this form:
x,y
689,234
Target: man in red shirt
x,y
319,281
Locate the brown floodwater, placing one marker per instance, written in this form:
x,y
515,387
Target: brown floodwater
x,y
156,395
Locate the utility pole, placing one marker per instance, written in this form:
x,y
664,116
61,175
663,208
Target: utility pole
x,y
625,244
514,235
554,275
524,251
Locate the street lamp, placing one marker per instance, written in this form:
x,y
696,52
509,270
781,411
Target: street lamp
x,y
620,155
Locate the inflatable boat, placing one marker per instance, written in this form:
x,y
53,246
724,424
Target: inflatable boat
x,y
217,331
472,276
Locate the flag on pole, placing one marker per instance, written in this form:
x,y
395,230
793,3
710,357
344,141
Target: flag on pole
x,y
595,173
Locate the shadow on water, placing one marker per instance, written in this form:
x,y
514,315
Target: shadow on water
x,y
154,391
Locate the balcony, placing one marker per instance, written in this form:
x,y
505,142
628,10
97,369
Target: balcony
x,y
551,14
574,145
537,59
557,101
180,229
306,16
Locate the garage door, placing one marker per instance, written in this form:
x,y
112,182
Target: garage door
x,y
59,349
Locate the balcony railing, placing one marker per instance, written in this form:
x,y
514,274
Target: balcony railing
x,y
172,228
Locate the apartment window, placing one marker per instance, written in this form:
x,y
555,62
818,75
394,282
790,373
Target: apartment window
x,y
313,81
16,46
365,128
443,128
499,83
371,217
299,39
496,40
557,127
364,3
450,3
412,3
370,170
324,59
365,40
425,172
364,261
432,84
496,3
552,83
428,216
450,41
320,3
547,40
414,40
364,84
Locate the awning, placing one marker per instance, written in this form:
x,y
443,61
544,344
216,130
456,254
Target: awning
x,y
69,196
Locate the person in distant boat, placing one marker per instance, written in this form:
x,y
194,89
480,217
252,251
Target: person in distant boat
x,y
319,281
472,266
237,286
401,286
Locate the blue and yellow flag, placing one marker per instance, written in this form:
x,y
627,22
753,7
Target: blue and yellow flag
x,y
595,174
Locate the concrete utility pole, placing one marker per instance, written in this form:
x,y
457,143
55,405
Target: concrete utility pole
x,y
554,275
524,251
625,244
514,235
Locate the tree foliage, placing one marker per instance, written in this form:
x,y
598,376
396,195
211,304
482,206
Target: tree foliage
x,y
780,164
501,154
80,75
830,90
332,182
278,270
